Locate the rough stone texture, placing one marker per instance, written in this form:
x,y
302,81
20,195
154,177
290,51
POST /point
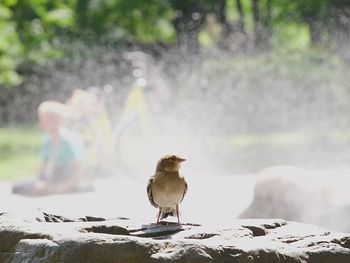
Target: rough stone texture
x,y
50,238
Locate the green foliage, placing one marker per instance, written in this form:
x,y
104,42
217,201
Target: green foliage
x,y
291,36
11,49
38,24
19,152
31,31
28,30
134,20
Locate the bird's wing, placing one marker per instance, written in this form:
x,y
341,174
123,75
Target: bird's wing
x,y
149,192
185,191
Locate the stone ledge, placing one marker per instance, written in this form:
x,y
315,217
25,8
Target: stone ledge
x,y
52,238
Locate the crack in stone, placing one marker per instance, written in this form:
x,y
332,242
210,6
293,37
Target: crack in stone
x,y
157,234
202,236
112,230
51,218
344,242
274,225
257,231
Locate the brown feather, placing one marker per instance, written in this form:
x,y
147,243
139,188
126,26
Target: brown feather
x,y
185,191
149,192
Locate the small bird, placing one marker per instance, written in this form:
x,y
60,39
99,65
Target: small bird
x,y
167,188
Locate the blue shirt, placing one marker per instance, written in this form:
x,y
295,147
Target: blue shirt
x,y
60,156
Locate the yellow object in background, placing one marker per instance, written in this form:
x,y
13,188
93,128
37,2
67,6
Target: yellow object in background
x,y
136,109
97,136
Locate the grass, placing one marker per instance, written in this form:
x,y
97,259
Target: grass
x,y
277,139
20,166
289,139
19,152
19,149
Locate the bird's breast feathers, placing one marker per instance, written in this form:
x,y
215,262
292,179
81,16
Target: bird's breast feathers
x,y
168,189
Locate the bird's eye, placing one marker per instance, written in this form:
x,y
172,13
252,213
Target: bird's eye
x,y
173,158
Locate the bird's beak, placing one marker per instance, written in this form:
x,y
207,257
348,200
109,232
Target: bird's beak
x,y
180,160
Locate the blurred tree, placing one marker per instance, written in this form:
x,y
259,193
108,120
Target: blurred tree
x,y
189,16
258,30
119,20
28,30
11,49
31,31
339,29
312,12
241,16
263,19
38,24
233,33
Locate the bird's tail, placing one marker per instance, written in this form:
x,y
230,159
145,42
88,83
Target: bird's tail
x,y
166,213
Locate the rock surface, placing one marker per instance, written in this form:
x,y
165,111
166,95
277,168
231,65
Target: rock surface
x,y
319,198
51,238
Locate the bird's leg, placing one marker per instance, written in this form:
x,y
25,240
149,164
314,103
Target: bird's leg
x,y
158,216
178,214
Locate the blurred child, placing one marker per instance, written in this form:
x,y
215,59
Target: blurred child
x,y
61,154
